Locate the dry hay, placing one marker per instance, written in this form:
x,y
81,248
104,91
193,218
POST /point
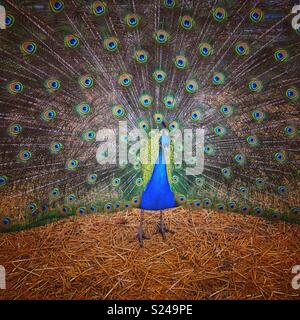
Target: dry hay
x,y
211,256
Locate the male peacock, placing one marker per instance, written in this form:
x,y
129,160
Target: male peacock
x,y
70,68
157,194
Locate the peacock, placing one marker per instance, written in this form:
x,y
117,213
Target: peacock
x,y
73,68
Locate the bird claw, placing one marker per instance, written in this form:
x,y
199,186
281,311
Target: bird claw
x,y
163,230
141,237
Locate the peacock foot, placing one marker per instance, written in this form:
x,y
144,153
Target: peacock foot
x,y
141,236
163,229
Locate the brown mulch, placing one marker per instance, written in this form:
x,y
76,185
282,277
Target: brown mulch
x,y
210,256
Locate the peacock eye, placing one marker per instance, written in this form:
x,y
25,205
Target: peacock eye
x,y
56,6
242,49
125,80
99,8
48,115
71,41
86,82
83,109
28,47
141,56
280,157
227,172
24,155
52,85
292,94
88,135
187,22
169,101
256,15
290,131
231,206
9,21
169,4
219,14
3,180
180,62
15,87
274,215
255,86
111,44
191,86
6,221
132,21
218,78
72,164
81,210
146,100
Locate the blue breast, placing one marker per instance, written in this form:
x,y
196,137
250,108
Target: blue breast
x,y
158,194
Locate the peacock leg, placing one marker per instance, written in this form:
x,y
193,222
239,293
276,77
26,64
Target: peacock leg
x,y
141,234
161,227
